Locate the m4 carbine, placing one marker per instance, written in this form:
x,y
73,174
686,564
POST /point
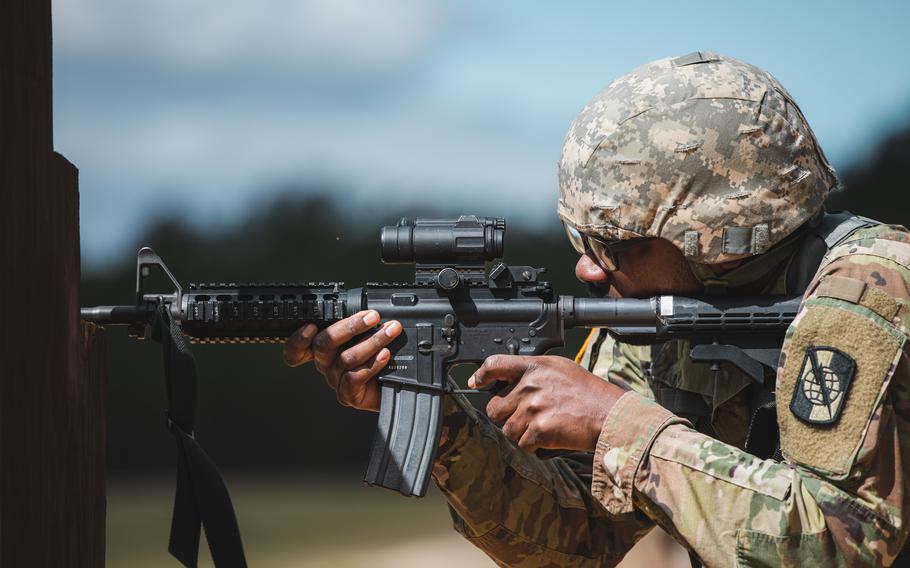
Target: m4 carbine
x,y
463,306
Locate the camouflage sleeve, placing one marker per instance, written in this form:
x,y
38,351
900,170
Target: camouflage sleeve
x,y
841,496
618,362
521,510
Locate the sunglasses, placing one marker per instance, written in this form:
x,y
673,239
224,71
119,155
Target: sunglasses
x,y
606,253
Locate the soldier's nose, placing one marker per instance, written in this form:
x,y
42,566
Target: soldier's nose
x,y
587,270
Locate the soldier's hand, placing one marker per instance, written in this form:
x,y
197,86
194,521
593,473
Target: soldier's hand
x,y
349,369
553,403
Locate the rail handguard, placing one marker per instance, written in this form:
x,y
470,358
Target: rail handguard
x,y
463,306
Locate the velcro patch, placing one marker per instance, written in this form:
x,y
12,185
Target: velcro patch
x,y
695,58
842,288
858,292
822,385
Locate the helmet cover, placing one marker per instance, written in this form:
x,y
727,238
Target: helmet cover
x,y
705,151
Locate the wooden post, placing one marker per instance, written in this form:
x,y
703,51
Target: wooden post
x,y
52,384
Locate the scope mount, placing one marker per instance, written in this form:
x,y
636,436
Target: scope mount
x,y
500,277
450,276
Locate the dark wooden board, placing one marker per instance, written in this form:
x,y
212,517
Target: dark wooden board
x,y
52,379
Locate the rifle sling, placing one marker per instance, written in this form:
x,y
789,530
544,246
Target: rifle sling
x,y
201,498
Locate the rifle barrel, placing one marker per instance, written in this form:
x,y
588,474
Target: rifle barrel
x,y
113,315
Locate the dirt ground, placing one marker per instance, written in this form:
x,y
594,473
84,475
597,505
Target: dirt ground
x,y
314,521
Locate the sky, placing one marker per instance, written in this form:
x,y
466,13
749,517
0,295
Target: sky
x,y
203,109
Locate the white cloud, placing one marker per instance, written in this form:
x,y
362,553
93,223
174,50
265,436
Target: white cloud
x,y
329,34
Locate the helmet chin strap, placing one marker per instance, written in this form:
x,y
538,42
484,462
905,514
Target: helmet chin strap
x,y
714,284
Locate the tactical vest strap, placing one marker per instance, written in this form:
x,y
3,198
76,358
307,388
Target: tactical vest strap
x,y
685,404
838,225
825,233
763,437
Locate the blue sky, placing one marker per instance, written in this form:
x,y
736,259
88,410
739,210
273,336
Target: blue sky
x,y
199,109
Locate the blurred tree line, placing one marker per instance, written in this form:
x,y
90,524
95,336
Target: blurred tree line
x,y
875,188
254,412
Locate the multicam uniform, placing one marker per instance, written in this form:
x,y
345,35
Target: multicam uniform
x,y
713,155
839,497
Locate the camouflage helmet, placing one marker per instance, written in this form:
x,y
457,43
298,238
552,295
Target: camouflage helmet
x,y
705,151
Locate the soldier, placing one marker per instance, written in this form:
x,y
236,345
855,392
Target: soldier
x,y
695,175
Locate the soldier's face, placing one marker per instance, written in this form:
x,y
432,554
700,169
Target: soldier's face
x,y
650,268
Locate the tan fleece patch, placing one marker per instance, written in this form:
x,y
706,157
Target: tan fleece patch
x,y
868,341
842,288
879,302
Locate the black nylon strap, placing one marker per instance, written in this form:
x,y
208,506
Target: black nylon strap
x,y
685,404
763,436
201,498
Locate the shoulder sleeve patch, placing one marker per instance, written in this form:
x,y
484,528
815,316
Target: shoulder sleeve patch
x,y
839,360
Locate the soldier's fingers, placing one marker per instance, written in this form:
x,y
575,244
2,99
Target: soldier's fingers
x,y
332,376
530,440
508,368
352,384
297,347
329,340
515,426
360,353
501,408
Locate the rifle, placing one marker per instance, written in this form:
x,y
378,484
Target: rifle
x,y
463,306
